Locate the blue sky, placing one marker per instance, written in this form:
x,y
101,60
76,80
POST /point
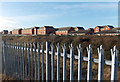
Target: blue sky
x,y
58,14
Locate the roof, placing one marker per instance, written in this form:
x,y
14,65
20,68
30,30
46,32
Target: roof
x,y
28,28
64,28
36,27
80,28
105,26
45,27
5,30
17,29
91,29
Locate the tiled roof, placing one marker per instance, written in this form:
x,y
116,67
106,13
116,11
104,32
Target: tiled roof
x,y
80,28
64,28
92,29
105,26
28,28
17,29
101,26
46,27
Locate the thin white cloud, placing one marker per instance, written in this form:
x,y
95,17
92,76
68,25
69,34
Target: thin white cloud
x,y
10,23
34,17
7,23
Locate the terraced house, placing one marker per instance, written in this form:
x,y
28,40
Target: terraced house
x,y
64,30
17,31
102,28
28,31
46,30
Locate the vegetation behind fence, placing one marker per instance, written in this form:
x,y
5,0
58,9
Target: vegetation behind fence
x,y
36,61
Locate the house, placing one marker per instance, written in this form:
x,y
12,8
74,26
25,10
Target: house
x,y
5,32
36,30
91,29
28,31
46,30
17,31
64,30
78,28
10,32
102,28
107,32
116,29
77,32
82,32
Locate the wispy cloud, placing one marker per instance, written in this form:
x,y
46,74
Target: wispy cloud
x,y
11,23
7,23
34,17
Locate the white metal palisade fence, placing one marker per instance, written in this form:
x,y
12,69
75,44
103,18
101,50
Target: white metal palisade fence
x,y
27,66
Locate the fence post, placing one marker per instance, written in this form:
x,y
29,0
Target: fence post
x,y
42,48
23,68
101,64
35,63
47,61
38,61
20,61
114,69
4,60
52,61
89,72
80,60
14,58
71,62
32,62
58,62
64,62
29,67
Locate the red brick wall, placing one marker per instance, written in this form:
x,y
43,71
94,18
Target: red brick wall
x,y
17,32
97,29
44,31
61,32
35,31
64,32
28,31
41,31
50,30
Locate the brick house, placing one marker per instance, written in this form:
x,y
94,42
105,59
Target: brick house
x,y
116,29
102,28
5,32
108,32
78,28
64,31
28,31
81,32
36,30
17,31
46,30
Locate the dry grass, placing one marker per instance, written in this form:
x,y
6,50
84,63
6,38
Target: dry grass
x,y
107,41
4,78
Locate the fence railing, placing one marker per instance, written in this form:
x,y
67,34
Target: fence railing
x,y
26,60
